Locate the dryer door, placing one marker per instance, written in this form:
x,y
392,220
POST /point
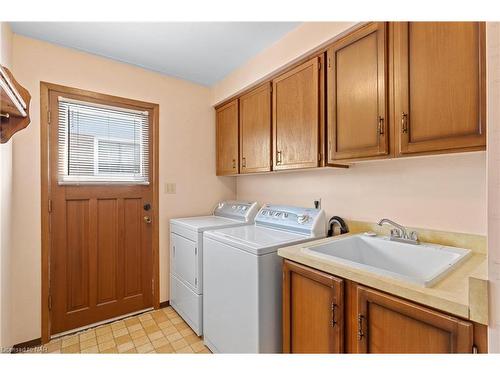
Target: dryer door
x,y
184,260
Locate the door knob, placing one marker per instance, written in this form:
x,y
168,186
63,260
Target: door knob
x,y
147,219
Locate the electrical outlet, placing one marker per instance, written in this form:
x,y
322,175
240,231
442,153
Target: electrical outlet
x,y
170,188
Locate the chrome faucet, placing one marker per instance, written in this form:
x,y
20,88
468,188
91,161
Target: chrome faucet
x,y
399,233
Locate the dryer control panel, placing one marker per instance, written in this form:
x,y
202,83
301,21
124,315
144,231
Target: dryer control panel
x,y
308,221
238,210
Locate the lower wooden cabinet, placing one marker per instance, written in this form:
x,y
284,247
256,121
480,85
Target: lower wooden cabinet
x,y
325,314
386,324
312,311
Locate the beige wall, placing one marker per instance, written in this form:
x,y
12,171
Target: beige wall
x,y
444,192
5,205
441,192
493,38
187,156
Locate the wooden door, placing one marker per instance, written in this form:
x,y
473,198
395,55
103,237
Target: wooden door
x,y
296,117
101,236
312,310
255,130
357,92
440,86
227,139
387,324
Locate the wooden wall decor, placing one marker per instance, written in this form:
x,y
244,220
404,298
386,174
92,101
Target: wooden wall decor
x,y
14,105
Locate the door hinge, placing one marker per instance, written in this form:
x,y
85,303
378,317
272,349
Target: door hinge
x,y
329,63
50,205
48,117
50,302
319,65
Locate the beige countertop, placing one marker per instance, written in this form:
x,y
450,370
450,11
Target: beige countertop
x,y
463,292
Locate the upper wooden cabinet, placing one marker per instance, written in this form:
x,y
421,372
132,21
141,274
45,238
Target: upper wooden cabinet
x,y
440,87
357,95
296,117
227,139
255,130
312,310
383,90
387,324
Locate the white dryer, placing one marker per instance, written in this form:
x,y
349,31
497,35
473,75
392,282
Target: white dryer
x,y
186,256
242,278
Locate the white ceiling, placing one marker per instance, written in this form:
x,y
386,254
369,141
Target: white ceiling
x,y
201,52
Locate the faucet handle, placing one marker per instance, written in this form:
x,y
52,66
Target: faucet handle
x,y
396,233
413,236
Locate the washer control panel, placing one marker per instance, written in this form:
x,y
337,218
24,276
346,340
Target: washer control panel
x,y
297,219
239,210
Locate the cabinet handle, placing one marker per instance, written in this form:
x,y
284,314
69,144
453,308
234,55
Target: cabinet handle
x,y
360,327
244,162
404,122
173,248
234,163
380,125
334,314
278,157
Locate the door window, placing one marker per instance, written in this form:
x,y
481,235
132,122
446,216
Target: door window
x,y
102,144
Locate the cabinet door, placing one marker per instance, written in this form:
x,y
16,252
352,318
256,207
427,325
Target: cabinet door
x,y
387,324
357,92
227,138
296,117
312,311
440,86
255,130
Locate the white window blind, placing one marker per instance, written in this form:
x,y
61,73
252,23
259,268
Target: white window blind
x,y
102,144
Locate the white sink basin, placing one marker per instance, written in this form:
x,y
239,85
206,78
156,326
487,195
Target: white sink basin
x,y
422,264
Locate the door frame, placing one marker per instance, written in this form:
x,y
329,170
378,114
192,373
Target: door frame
x,y
154,110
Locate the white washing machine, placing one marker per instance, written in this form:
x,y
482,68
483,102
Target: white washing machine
x,y
186,256
242,278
